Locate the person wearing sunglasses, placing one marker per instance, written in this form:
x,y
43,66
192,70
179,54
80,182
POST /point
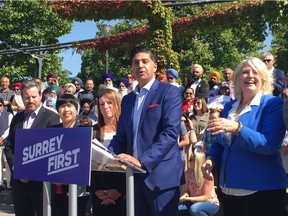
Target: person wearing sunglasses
x,y
188,101
172,77
17,104
278,75
107,80
132,82
78,84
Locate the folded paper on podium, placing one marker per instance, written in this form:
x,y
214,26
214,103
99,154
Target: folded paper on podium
x,y
103,160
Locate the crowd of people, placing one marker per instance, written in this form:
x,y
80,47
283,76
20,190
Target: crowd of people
x,y
212,146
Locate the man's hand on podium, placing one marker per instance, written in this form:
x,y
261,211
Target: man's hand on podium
x,y
130,159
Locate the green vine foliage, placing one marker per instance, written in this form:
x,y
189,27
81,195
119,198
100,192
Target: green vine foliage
x,y
216,36
160,21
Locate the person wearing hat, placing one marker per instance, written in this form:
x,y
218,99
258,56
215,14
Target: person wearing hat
x,y
214,78
5,119
86,107
172,77
108,79
69,88
54,91
78,84
51,79
123,85
200,87
224,89
17,104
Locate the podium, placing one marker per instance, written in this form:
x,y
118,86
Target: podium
x,y
103,160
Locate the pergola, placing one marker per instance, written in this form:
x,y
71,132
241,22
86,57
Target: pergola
x,y
162,24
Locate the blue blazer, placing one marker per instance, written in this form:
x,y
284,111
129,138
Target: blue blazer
x,y
252,161
279,81
159,128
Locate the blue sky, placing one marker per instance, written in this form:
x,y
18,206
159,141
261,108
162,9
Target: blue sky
x,y
80,31
87,30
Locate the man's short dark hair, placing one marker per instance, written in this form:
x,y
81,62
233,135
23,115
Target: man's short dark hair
x,y
139,49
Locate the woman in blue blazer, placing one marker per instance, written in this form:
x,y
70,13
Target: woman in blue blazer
x,y
249,136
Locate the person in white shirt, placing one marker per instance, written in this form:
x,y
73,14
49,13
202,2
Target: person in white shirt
x,y
200,87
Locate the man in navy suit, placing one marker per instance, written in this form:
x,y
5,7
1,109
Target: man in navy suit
x,y
28,195
278,75
146,136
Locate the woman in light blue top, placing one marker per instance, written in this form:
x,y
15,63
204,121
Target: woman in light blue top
x,y
249,136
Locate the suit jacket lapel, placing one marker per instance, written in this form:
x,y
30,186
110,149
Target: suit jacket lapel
x,y
38,118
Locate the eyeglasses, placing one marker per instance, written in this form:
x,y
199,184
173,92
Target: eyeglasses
x,y
16,89
267,60
188,93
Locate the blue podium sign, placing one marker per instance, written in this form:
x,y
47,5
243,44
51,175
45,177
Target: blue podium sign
x,y
60,155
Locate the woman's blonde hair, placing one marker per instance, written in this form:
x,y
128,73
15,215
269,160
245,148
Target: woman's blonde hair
x,y
199,160
263,71
114,97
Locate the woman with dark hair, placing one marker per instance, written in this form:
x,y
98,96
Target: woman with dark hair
x,y
200,115
67,106
188,101
107,188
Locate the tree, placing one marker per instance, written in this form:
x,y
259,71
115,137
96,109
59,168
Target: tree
x,y
214,47
22,23
216,36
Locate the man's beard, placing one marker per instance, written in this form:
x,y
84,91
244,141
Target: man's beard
x,y
211,84
195,78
